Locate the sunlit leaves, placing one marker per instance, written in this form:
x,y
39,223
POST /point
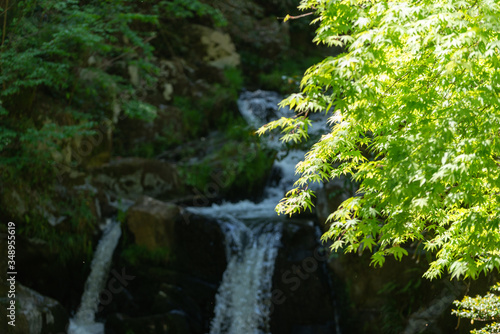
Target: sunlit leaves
x,y
413,103
481,308
293,129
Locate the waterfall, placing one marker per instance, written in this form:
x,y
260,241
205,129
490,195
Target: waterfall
x,y
244,297
252,233
84,320
243,301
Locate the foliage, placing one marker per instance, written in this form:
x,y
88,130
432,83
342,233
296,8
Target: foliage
x,y
413,104
247,167
61,64
197,175
193,117
234,80
65,67
285,77
73,238
481,308
196,111
188,8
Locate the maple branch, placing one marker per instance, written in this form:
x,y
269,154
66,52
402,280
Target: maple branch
x,y
289,17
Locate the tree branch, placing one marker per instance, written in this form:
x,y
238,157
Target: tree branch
x,y
289,17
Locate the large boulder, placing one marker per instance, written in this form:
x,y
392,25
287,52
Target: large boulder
x,y
200,249
34,313
152,223
155,225
394,297
175,294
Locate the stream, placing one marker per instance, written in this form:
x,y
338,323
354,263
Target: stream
x,y
253,237
84,320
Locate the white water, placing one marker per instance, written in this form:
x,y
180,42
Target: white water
x,y
260,107
244,298
252,238
84,320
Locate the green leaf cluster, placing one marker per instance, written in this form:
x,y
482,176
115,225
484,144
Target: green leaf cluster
x,y
187,9
483,309
413,107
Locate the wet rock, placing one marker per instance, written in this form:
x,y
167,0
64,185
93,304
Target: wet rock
x,y
426,317
35,313
220,50
167,323
152,223
131,178
394,297
196,242
171,298
314,329
167,295
302,300
200,247
158,290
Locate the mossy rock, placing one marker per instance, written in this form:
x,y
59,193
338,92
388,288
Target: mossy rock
x,y
230,169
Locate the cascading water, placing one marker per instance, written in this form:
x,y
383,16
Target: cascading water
x,y
84,320
243,300
245,293
252,234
